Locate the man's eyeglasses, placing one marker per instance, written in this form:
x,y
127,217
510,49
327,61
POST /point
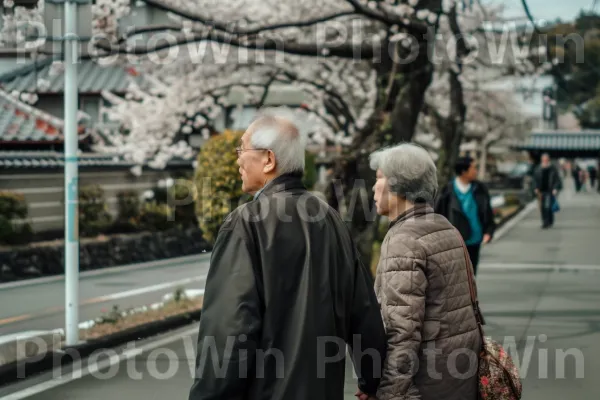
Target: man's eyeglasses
x,y
239,150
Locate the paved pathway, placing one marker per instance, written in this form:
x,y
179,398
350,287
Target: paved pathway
x,y
552,316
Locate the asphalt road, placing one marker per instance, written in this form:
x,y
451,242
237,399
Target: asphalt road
x,y
548,318
39,304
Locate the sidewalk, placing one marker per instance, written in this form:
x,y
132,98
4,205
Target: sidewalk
x,y
572,241
553,315
550,316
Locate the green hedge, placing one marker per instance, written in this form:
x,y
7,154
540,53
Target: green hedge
x,y
218,183
14,207
94,218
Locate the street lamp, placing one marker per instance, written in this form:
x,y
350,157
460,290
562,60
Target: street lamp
x,y
74,18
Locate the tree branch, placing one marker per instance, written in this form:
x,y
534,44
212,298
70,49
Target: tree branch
x,y
413,26
263,98
344,50
231,28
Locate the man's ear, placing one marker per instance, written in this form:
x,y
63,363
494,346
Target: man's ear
x,y
270,164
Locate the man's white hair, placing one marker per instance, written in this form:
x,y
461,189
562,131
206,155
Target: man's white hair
x,y
282,137
410,170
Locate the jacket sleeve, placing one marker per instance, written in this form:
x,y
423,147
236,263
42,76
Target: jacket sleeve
x,y
403,306
230,321
558,186
368,342
535,180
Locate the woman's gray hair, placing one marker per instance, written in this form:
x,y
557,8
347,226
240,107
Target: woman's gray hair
x,y
283,138
410,171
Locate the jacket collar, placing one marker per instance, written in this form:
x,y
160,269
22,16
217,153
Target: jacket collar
x,y
282,183
418,210
475,185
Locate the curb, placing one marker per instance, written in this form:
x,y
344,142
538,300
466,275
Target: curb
x,y
505,226
26,368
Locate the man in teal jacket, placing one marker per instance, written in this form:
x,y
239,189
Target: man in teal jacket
x,y
465,202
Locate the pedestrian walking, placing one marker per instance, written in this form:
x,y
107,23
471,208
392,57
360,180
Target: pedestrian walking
x,y
593,174
547,184
466,203
286,290
576,174
422,284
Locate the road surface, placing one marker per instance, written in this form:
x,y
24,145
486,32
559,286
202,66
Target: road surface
x,y
39,304
549,314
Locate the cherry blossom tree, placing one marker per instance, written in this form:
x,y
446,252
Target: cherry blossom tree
x,y
364,65
476,54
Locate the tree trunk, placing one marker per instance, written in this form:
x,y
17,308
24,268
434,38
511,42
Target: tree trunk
x,y
409,101
453,131
402,93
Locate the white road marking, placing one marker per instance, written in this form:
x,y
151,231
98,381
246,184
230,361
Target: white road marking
x,y
108,297
111,270
96,366
541,267
143,290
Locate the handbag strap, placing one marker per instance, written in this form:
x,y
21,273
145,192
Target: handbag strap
x,y
474,301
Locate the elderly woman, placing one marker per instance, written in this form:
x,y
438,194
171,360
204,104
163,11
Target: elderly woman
x,y
422,286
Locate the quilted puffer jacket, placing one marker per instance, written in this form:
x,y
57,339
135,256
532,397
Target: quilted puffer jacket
x,y
423,291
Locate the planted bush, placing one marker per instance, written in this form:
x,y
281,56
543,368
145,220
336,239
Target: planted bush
x,y
14,229
218,183
311,174
94,217
182,200
128,203
155,217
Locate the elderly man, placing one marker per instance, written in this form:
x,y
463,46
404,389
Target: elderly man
x,y
286,290
547,183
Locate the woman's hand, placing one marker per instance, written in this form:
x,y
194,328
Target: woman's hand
x,y
362,396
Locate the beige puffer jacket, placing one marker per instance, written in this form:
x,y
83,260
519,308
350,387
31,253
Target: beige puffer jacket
x,y
423,291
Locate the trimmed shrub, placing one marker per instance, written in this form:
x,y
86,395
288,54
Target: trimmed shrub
x,y
311,175
218,183
14,207
128,203
94,217
182,201
155,217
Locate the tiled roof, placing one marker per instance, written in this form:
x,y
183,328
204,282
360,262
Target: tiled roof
x,y
562,140
20,122
48,160
41,77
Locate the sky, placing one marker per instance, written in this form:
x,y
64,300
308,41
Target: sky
x,y
548,9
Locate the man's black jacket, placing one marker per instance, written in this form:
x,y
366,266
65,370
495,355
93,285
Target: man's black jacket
x,y
554,180
284,294
449,206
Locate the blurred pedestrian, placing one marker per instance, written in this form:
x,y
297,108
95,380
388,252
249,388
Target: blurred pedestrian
x,y
547,183
466,203
420,283
593,174
286,289
576,174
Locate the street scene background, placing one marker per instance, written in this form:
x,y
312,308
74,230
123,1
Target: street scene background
x,y
119,163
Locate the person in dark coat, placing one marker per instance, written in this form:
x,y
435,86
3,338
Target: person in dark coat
x,y
466,203
593,174
286,291
576,174
547,183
